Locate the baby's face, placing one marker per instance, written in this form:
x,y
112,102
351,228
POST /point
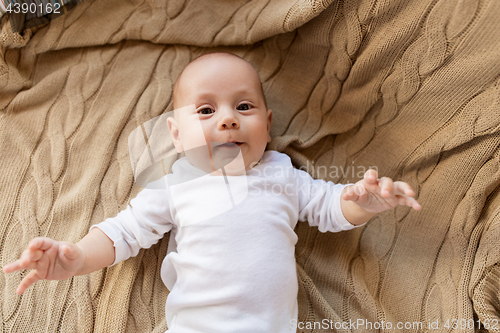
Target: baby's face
x,y
228,104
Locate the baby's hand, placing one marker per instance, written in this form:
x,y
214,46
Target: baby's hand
x,y
378,195
49,259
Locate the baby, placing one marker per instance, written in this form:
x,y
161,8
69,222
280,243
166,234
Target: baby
x,y
232,215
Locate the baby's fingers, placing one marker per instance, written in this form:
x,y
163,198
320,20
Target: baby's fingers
x,y
68,253
20,264
414,204
31,278
41,243
371,176
408,201
30,256
386,186
403,188
27,261
12,267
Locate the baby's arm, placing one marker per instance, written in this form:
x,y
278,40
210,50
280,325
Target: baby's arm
x,y
54,260
140,225
370,196
98,251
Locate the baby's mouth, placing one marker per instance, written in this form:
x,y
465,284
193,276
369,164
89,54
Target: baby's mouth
x,y
230,144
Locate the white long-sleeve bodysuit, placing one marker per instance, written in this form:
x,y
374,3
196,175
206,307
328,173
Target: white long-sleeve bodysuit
x,y
234,266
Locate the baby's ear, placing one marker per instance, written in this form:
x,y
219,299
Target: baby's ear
x,y
173,127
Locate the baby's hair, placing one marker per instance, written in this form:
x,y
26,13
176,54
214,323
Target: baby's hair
x,y
208,55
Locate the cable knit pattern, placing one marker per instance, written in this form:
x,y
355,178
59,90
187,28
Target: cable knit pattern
x,y
409,87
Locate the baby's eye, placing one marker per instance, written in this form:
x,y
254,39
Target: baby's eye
x,y
206,111
243,107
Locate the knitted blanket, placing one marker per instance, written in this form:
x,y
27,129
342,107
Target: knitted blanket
x,y
411,88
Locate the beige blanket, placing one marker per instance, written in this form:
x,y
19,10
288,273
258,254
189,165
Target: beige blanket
x,y
411,88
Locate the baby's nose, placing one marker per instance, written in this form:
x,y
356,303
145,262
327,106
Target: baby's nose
x,y
229,124
228,120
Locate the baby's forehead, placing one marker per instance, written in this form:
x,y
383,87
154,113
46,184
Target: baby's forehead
x,y
206,64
